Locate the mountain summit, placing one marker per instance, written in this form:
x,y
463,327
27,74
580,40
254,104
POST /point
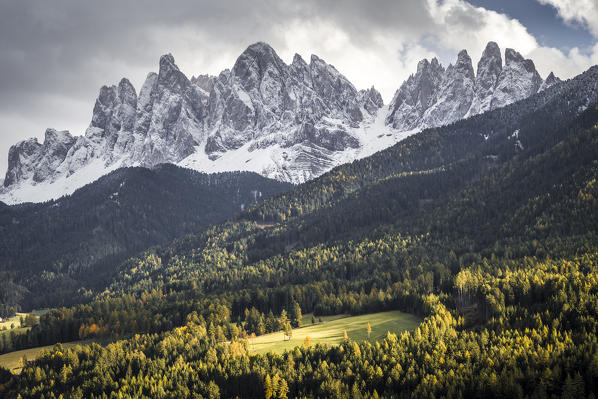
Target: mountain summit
x,y
291,122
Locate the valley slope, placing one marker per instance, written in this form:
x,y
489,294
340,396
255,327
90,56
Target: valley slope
x,y
55,252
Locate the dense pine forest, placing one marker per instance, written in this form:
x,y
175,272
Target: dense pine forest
x,y
487,229
56,253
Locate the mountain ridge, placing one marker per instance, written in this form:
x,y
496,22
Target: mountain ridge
x,y
288,122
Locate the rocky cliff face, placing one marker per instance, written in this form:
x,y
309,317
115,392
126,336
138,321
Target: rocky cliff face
x,y
30,160
435,96
288,122
265,102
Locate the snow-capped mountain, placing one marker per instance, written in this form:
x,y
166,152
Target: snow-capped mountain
x,y
435,96
288,122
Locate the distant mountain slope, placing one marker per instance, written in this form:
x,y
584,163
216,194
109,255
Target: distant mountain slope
x,y
495,136
473,183
540,196
62,247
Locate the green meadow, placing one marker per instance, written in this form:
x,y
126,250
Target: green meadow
x,y
11,360
331,330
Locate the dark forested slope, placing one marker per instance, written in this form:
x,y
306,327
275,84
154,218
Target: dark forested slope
x,y
52,250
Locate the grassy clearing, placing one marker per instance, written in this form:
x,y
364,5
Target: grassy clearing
x,y
18,330
15,320
11,360
332,328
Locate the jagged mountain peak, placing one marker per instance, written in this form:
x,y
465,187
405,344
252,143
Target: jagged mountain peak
x,y
126,90
125,84
464,64
167,61
425,65
151,75
436,96
259,70
422,64
204,82
492,49
56,136
491,60
512,56
261,48
454,93
315,59
298,60
170,76
550,80
371,99
415,95
20,157
260,51
488,72
463,55
517,80
259,54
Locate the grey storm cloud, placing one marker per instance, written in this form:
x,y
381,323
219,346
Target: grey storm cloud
x,y
50,45
64,46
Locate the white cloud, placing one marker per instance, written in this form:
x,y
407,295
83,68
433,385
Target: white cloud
x,y
461,25
548,59
584,12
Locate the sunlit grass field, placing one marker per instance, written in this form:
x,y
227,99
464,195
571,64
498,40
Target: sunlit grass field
x,y
15,321
11,360
331,330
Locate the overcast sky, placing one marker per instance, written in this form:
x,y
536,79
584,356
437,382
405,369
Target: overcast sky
x,y
56,54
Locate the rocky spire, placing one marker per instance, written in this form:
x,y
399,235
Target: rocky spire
x,y
455,93
144,104
169,75
52,153
22,158
370,100
489,69
550,80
